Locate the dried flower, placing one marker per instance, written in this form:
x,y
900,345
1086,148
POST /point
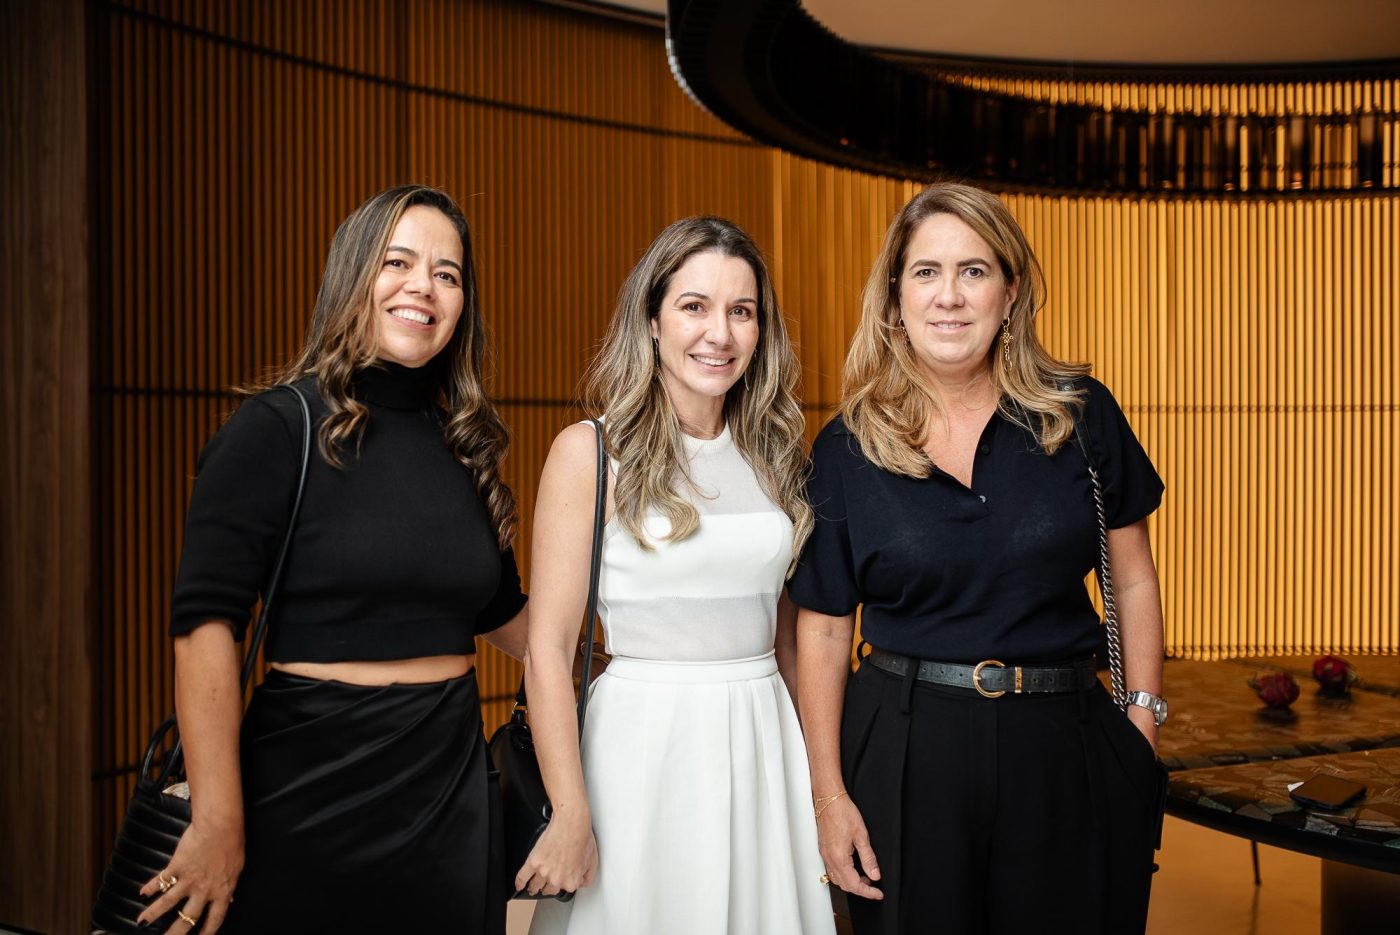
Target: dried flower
x,y
1277,689
1334,674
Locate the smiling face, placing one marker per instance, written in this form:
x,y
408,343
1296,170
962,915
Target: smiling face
x,y
418,294
953,297
706,331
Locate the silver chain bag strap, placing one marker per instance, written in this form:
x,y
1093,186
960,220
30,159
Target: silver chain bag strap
x,y
1105,573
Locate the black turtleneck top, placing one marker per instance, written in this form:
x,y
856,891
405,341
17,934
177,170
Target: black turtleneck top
x,y
394,555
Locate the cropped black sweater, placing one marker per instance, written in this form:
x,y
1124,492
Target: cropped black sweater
x,y
394,555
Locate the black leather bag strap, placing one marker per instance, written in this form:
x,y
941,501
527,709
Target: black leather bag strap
x,y
590,608
174,762
590,611
270,592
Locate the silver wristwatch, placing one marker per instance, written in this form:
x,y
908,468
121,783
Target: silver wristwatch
x,y
1154,703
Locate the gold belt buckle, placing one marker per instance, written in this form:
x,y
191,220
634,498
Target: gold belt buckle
x,y
977,677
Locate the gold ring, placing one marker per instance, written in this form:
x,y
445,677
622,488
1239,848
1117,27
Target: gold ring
x,y
824,879
165,884
186,919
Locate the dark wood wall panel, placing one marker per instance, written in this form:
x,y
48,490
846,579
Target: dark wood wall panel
x,y
46,542
240,134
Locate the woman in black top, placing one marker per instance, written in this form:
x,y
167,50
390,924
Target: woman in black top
x,y
361,779
955,508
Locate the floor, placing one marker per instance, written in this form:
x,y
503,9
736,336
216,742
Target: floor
x,y
1205,887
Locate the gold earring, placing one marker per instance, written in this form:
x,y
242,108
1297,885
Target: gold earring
x,y
1006,338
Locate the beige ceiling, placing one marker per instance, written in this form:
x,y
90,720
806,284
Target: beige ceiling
x,y
1169,32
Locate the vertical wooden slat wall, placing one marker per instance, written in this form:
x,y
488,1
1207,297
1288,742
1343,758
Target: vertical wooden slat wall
x,y
47,657
1252,343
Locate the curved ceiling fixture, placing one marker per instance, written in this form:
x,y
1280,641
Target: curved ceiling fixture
x,y
770,70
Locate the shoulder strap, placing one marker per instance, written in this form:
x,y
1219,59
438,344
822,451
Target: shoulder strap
x,y
1105,570
590,608
174,762
270,592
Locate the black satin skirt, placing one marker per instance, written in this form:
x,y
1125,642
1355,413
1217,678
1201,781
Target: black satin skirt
x,y
368,810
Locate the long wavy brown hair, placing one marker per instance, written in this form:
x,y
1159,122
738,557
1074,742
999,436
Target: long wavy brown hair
x,y
343,336
887,402
642,429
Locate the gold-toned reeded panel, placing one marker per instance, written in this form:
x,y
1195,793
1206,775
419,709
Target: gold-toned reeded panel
x,y
1254,345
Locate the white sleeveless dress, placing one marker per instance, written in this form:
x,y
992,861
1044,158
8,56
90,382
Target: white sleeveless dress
x,y
692,754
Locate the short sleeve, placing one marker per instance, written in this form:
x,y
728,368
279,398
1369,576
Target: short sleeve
x,y
238,513
824,580
507,600
1132,490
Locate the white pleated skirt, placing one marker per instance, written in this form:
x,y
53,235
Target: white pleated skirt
x,y
702,806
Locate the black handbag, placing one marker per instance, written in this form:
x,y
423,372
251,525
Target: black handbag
x,y
159,811
524,801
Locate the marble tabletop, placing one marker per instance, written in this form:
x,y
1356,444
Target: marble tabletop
x,y
1217,720
1252,800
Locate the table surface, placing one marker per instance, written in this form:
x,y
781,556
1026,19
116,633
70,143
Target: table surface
x,y
1251,800
1217,720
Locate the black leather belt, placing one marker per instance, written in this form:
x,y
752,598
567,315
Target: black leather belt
x,y
990,678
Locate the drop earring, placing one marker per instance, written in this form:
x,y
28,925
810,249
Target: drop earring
x,y
1006,338
656,352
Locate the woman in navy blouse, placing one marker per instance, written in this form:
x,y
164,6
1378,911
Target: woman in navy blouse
x,y
973,776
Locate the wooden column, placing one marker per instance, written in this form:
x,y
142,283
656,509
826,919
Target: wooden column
x,y
46,630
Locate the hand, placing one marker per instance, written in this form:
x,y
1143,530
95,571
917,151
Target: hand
x,y
841,831
563,859
1144,721
204,868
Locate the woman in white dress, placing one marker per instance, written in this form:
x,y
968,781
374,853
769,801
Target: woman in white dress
x,y
697,815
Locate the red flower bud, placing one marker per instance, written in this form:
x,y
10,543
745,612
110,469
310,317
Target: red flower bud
x,y
1277,689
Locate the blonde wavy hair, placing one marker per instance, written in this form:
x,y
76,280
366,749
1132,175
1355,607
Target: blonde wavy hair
x,y
887,401
643,431
344,334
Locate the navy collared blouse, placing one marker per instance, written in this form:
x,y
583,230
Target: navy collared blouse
x,y
955,574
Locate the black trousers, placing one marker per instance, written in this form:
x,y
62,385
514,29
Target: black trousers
x,y
367,810
1025,813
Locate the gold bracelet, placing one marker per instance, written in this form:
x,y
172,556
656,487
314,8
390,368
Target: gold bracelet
x,y
824,803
